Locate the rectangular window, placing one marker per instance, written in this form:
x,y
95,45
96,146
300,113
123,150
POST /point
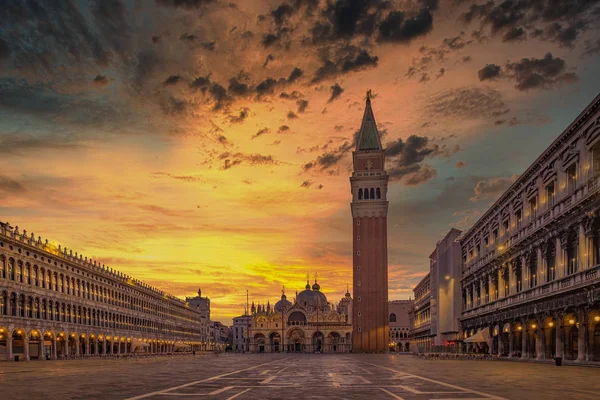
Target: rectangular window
x,y
533,207
571,173
550,194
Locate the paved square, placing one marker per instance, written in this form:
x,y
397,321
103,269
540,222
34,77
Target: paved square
x,y
279,376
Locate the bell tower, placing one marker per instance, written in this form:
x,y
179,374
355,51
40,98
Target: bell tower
x,y
370,327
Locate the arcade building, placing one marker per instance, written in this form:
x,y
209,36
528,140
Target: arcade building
x,y
56,304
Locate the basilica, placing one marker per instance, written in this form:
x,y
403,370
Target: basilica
x,y
308,324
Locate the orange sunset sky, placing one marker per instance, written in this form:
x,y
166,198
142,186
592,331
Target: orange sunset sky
x,y
207,143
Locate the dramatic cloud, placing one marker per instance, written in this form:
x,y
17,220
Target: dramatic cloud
x,y
302,105
283,129
531,73
491,188
396,27
345,59
544,73
490,71
261,132
467,102
230,160
336,91
406,158
241,117
558,21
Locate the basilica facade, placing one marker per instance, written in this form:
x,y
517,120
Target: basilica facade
x,y
308,324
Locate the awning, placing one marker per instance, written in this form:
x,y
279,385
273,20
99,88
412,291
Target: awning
x,y
482,336
181,345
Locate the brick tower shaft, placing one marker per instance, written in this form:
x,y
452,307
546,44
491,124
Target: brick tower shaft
x,y
369,220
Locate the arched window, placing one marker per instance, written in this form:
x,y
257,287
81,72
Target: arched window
x,y
360,194
372,194
392,317
3,303
378,191
366,194
11,269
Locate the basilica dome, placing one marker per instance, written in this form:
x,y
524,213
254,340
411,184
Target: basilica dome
x,y
312,298
282,304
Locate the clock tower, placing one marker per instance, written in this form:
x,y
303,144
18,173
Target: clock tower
x,y
370,327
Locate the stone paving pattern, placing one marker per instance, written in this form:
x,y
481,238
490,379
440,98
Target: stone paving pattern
x,y
305,376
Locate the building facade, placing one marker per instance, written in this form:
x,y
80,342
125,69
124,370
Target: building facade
x,y
54,303
307,325
369,228
240,330
399,324
201,303
531,274
421,337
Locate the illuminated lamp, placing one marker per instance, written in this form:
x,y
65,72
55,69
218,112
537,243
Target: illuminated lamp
x,y
520,328
550,324
596,318
571,321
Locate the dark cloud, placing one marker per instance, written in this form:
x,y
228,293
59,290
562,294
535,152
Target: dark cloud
x,y
230,160
306,184
564,34
514,34
544,73
295,75
237,88
467,102
440,73
336,91
283,129
396,27
345,59
405,159
291,115
241,117
558,21
302,105
268,59
267,86
172,80
188,37
201,83
100,80
292,96
331,156
461,164
261,132
456,42
490,71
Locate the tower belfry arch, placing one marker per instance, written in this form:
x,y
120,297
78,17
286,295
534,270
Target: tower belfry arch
x,y
369,207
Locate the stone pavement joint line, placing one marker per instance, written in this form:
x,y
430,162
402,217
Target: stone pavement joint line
x,y
328,376
143,396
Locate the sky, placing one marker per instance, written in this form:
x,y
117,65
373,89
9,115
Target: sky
x,y
208,144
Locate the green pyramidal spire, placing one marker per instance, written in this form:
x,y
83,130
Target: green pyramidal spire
x,y
368,138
